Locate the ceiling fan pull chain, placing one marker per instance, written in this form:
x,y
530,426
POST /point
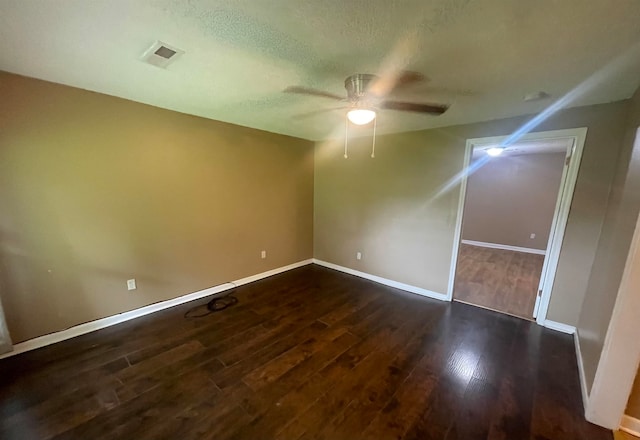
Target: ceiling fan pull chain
x,y
346,135
373,146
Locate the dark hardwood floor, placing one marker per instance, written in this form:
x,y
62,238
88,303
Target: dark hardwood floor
x,y
311,353
498,279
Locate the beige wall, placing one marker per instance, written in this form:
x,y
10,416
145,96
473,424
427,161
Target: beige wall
x,y
510,197
391,209
613,246
388,207
95,190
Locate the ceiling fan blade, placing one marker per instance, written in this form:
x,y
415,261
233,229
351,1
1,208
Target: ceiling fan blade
x,y
436,109
315,113
312,92
408,77
395,80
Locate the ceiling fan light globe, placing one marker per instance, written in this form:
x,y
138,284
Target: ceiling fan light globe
x,y
361,116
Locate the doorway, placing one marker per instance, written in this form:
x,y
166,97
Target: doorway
x,y
513,208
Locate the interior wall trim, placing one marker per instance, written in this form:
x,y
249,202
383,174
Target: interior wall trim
x,y
98,324
385,281
631,425
581,376
505,247
618,364
559,326
455,250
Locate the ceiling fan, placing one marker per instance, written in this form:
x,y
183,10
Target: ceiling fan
x,y
364,97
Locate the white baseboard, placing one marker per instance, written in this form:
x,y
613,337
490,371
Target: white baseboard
x,y
386,282
272,272
505,247
583,380
91,326
631,425
560,327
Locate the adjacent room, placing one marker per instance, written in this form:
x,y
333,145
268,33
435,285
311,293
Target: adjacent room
x,y
391,219
511,203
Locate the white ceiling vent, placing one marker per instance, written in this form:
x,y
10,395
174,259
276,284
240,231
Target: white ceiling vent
x,y
161,54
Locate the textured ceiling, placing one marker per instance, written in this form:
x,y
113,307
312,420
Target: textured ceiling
x,y
480,56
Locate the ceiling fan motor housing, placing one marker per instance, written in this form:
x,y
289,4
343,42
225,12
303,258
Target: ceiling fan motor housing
x,y
357,86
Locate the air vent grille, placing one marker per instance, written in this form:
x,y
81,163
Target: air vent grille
x,y
161,54
165,52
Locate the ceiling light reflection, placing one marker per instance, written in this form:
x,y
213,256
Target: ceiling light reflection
x,y
495,151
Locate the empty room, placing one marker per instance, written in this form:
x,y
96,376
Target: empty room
x,y
511,210
319,220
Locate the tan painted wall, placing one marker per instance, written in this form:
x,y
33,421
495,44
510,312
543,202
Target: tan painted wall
x,y
390,208
613,246
510,197
95,190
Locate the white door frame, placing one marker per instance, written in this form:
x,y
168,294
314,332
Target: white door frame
x,y
5,339
560,217
618,364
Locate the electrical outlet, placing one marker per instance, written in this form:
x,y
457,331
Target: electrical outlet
x,y
358,255
131,284
263,254
532,236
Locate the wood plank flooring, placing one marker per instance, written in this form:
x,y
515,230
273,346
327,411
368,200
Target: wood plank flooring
x,y
498,279
308,354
